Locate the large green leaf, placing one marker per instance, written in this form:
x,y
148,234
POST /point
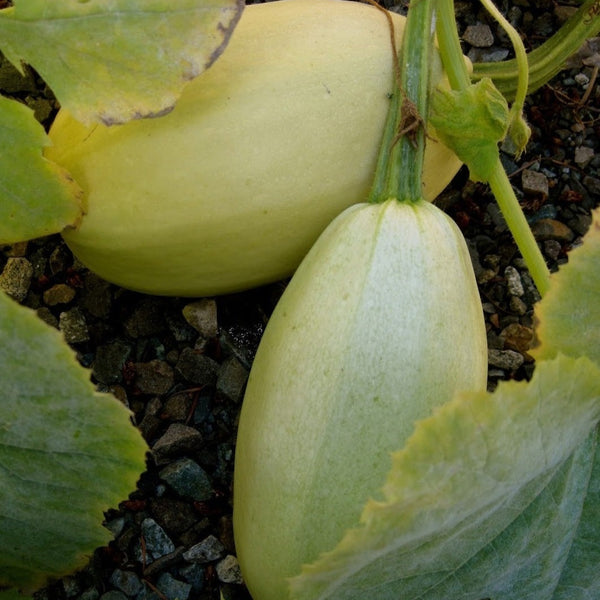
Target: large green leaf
x,y
569,316
114,60
67,453
483,501
37,197
580,577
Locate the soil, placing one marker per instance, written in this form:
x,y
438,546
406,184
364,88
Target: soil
x,y
181,364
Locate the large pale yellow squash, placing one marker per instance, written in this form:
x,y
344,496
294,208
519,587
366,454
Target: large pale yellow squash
x,y
263,150
381,323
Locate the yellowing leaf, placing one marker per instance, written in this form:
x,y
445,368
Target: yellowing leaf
x,y
114,60
37,197
483,501
569,313
67,454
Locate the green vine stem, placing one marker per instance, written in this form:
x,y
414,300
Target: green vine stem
x,y
459,78
450,50
400,163
549,58
516,109
517,223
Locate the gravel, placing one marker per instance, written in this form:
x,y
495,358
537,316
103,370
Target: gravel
x,y
181,365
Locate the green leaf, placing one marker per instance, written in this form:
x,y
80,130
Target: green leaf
x,y
580,579
569,313
114,60
37,197
483,501
569,317
67,453
471,122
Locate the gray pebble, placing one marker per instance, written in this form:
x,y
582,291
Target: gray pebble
x,y
232,380
61,293
188,479
552,249
202,316
486,275
73,325
480,36
497,217
551,229
228,570
531,290
146,320
127,581
149,426
172,588
181,330
109,361
517,305
151,423
513,281
194,574
584,156
176,516
177,407
154,377
592,184
534,182
207,550
548,211
157,542
16,278
580,223
509,360
59,259
176,440
493,54
196,367
97,295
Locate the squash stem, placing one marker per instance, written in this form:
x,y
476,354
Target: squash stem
x,y
400,164
459,78
516,109
450,49
515,219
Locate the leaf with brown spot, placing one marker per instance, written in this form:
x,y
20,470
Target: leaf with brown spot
x,y
116,60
